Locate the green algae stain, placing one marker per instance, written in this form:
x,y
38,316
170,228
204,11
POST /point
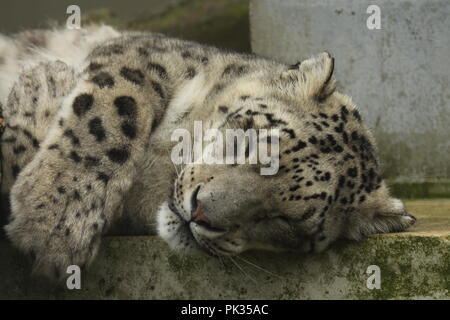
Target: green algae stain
x,y
423,190
221,23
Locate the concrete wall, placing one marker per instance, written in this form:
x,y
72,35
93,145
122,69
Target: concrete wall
x,y
398,75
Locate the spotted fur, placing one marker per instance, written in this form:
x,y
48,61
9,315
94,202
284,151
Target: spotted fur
x,y
87,151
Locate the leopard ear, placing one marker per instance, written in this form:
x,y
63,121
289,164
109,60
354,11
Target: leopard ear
x,y
313,78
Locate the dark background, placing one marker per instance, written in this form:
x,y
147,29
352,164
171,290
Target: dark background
x,y
223,23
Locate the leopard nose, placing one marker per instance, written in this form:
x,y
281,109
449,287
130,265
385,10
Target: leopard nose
x,y
202,222
198,217
196,207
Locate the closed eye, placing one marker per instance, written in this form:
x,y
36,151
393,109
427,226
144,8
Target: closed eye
x,y
273,217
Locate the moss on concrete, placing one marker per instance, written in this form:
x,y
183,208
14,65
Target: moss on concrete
x,y
414,265
222,23
416,190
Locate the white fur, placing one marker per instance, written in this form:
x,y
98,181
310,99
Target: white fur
x,y
397,205
73,46
194,91
172,233
69,46
10,68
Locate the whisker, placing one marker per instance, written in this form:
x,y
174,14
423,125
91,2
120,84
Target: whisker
x,y
151,163
260,268
242,270
175,167
221,262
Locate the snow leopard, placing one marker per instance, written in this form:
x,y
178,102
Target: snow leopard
x,y
87,152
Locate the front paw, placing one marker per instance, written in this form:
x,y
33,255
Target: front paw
x,y
57,216
60,254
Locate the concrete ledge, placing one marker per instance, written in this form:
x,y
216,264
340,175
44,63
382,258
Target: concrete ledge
x,y
414,265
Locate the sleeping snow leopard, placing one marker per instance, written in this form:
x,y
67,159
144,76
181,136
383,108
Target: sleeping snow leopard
x,y
86,151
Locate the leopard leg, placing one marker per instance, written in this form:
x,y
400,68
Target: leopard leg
x,y
71,192
33,102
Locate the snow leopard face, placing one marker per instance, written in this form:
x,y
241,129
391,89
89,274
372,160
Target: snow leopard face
x,y
328,185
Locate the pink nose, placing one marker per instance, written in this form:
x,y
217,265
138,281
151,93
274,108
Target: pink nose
x,y
198,215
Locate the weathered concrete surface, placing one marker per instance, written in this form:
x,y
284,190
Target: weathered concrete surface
x,y
399,75
414,264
